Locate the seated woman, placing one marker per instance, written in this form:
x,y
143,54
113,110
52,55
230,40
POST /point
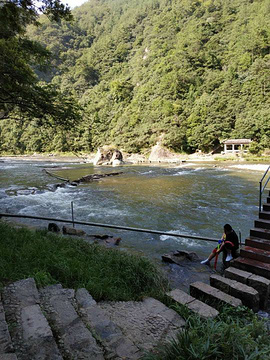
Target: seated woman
x,y
229,244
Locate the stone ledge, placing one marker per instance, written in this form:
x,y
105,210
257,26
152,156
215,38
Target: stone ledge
x,y
193,304
202,290
248,295
259,283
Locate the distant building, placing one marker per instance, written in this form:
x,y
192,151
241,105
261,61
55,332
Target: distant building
x,y
236,145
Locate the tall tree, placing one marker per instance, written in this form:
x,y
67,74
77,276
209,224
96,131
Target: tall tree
x,y
21,92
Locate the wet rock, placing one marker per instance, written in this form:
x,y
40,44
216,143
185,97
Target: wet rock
x,y
106,240
179,257
108,156
53,227
72,231
192,256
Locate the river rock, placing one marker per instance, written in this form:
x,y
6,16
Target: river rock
x,y
108,156
192,256
161,154
180,256
53,227
73,231
106,240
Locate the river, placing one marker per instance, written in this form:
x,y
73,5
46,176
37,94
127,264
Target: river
x,y
196,199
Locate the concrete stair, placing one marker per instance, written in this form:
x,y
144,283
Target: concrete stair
x,y
56,323
248,295
262,223
246,281
264,215
253,266
258,243
261,284
31,335
260,233
256,254
266,207
109,333
196,306
74,338
203,291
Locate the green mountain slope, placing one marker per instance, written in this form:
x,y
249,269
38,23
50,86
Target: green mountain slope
x,y
190,72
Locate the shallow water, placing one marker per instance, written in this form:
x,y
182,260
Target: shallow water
x,y
190,199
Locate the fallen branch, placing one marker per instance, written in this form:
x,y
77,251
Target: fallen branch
x,y
90,178
84,179
55,176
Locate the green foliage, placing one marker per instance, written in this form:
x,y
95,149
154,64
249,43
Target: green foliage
x,y
108,274
197,72
21,93
235,334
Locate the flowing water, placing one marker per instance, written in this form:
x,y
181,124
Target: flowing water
x,y
191,199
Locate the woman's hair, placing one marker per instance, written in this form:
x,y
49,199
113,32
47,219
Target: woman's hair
x,y
227,227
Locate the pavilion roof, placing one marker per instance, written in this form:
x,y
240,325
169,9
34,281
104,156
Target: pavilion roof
x,y
237,141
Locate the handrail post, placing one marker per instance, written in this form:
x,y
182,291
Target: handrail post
x,y
260,199
72,214
263,187
240,237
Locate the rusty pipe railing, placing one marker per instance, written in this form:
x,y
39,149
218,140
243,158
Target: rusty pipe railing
x,y
263,186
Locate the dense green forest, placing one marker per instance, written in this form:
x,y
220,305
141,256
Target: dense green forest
x,y
189,72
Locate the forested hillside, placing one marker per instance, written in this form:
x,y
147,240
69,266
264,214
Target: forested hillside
x,y
189,72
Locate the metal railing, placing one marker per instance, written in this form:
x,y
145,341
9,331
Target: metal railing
x,y
126,228
263,186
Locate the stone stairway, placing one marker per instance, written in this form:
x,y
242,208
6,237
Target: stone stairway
x,y
63,324
245,282
255,255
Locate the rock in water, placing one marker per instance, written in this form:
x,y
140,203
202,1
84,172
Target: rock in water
x,y
108,156
53,227
72,231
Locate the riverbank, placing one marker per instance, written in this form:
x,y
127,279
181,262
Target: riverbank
x,y
107,274
245,163
111,275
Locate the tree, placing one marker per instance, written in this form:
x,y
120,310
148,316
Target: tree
x,y
21,92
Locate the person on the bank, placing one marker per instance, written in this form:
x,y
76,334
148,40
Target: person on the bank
x,y
229,244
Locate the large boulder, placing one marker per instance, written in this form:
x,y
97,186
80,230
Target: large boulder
x,y
161,154
108,156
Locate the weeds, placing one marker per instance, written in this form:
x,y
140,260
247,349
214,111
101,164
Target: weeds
x,y
108,274
235,334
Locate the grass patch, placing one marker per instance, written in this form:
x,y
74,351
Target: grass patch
x,y
108,274
234,334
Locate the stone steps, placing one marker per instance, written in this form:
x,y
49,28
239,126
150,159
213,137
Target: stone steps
x,y
266,207
204,291
256,254
75,339
196,306
56,323
248,295
146,323
260,233
258,243
264,215
30,332
253,266
5,339
262,223
261,284
110,335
